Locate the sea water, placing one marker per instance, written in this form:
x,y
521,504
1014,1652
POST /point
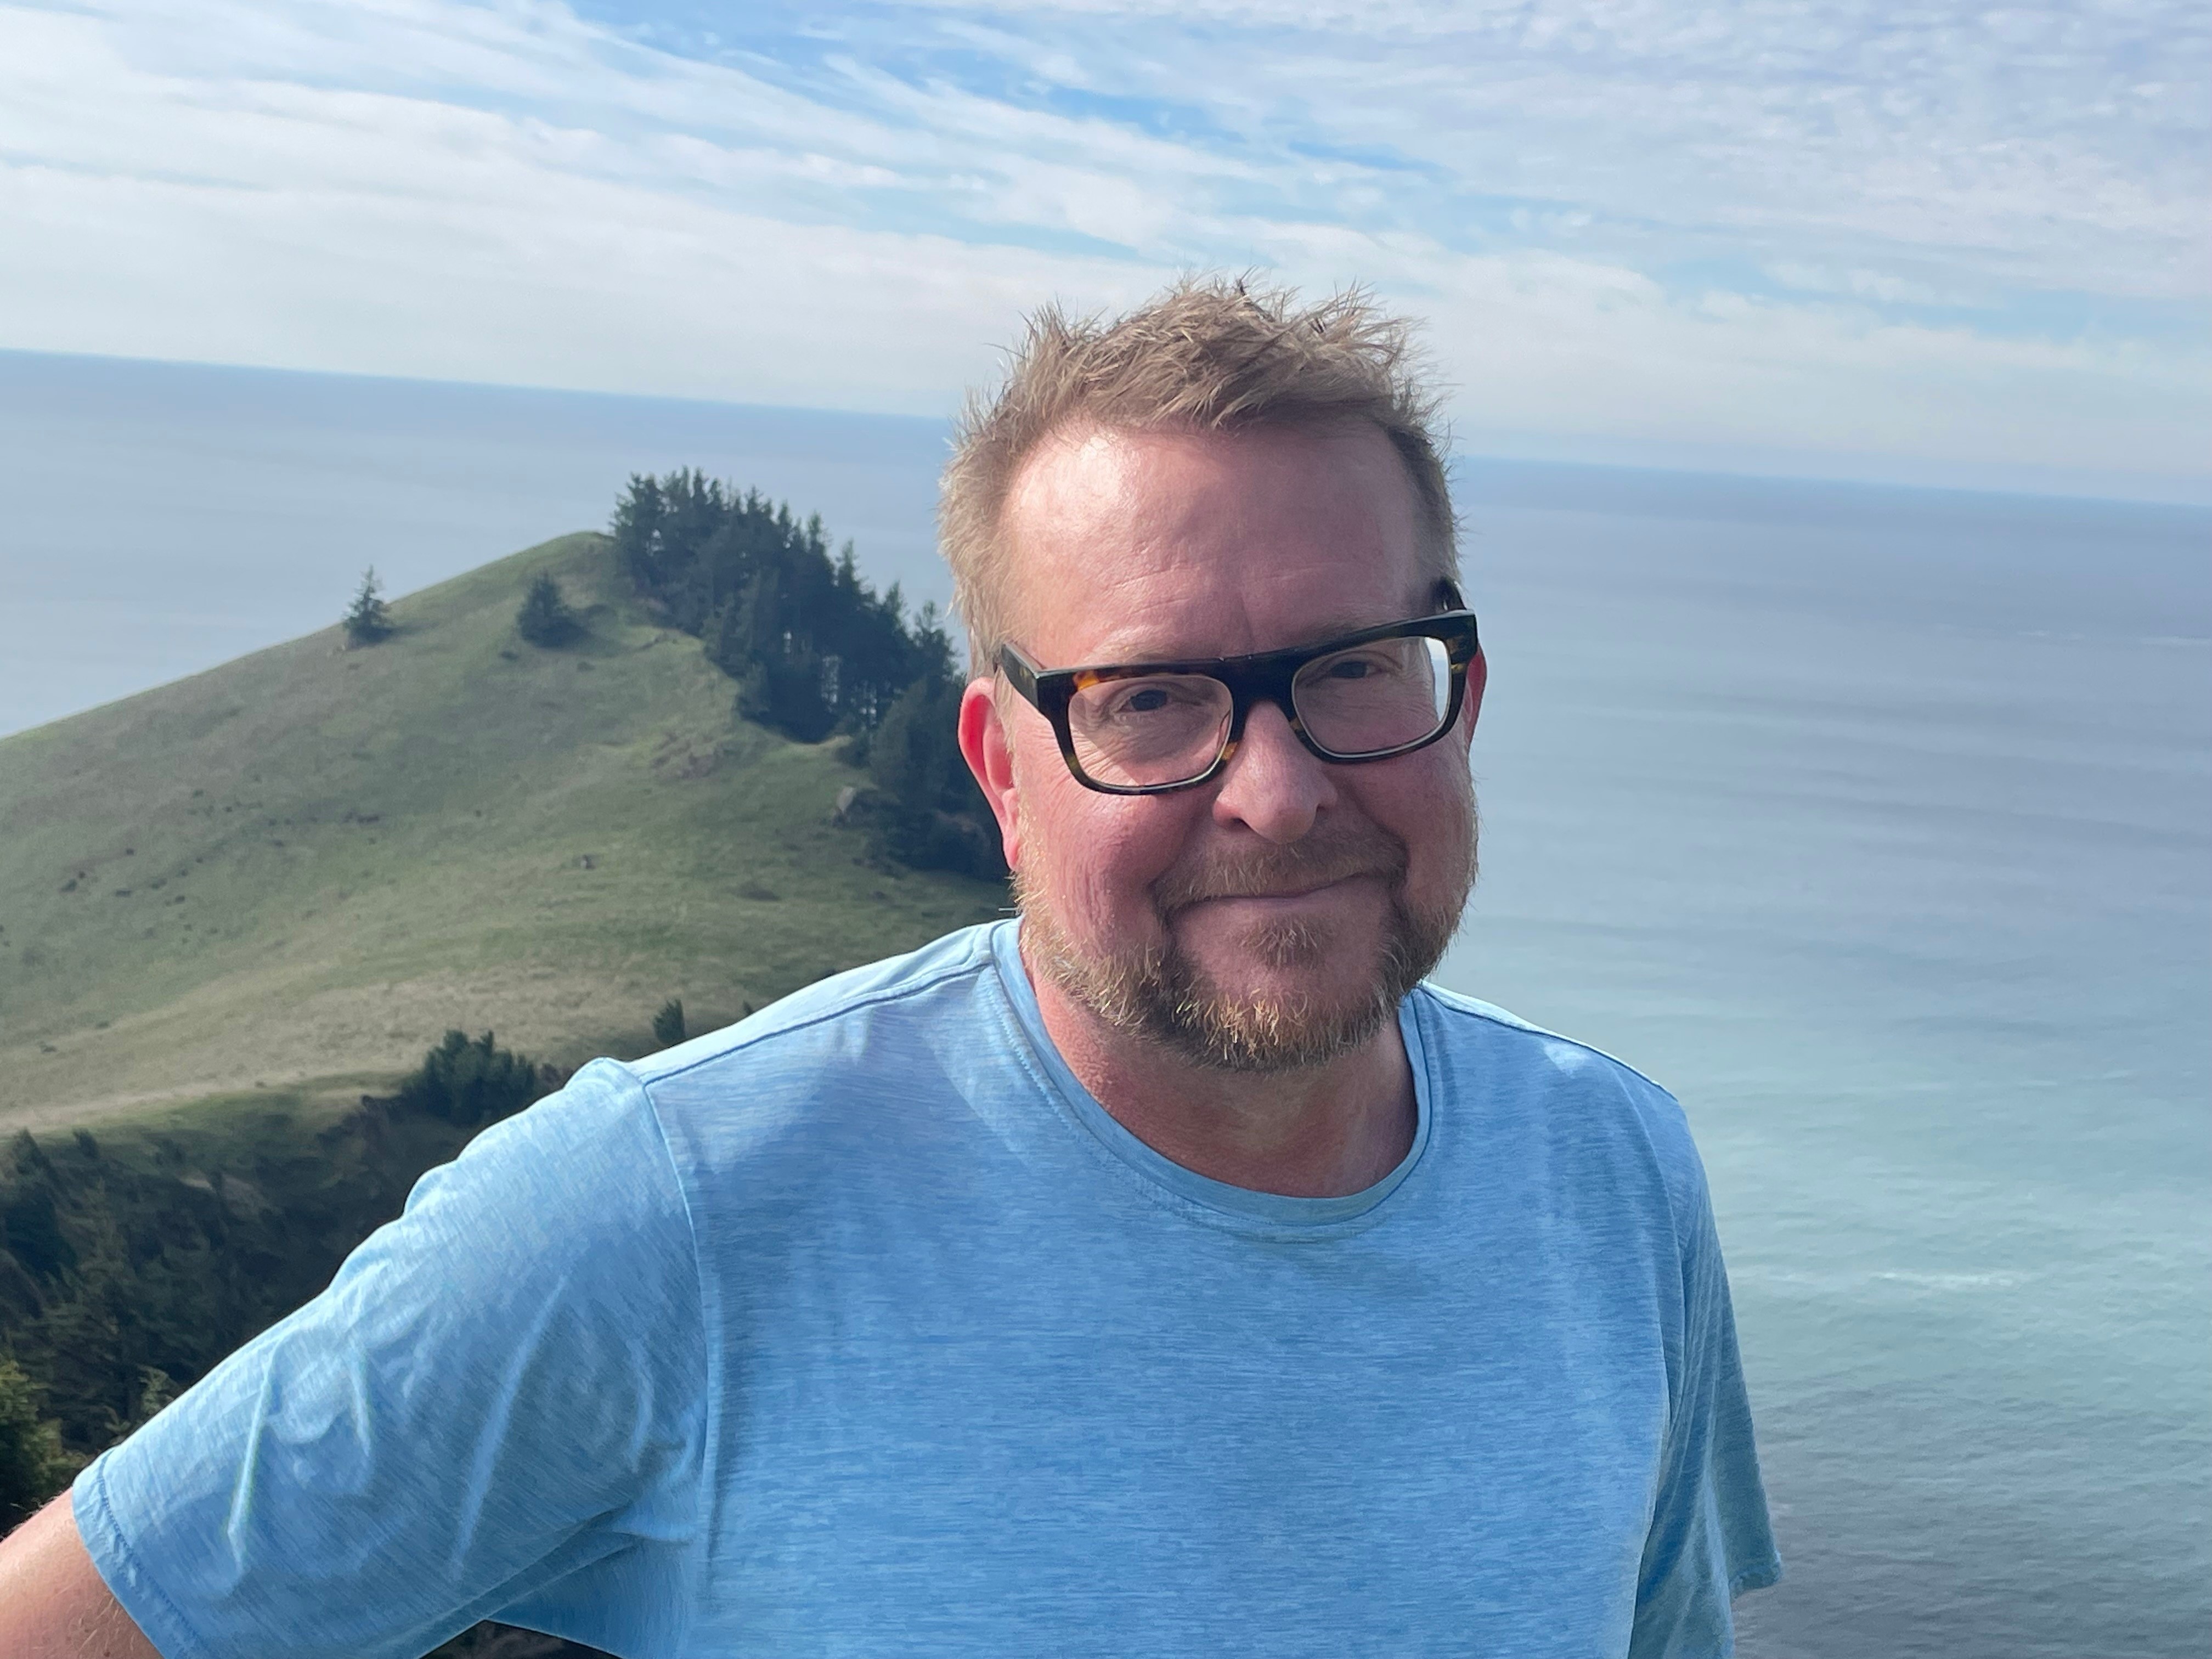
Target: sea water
x,y
1876,823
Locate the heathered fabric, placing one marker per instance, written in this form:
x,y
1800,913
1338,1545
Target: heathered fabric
x,y
859,1329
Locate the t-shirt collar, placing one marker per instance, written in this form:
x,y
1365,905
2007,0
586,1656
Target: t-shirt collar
x,y
1277,1210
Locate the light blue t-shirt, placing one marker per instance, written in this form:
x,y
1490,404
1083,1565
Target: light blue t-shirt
x,y
860,1330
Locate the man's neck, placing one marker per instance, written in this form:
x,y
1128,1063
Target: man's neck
x,y
1318,1132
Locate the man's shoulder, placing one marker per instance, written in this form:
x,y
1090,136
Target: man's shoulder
x,y
1559,1085
821,1021
841,1070
1464,1019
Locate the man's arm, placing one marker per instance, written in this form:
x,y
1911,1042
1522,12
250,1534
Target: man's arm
x,y
1710,1539
54,1604
499,1403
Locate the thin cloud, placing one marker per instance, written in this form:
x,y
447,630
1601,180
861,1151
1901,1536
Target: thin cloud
x,y
1972,236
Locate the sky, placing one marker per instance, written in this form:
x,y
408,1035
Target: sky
x,y
1943,243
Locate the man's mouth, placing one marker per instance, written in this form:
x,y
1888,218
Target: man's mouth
x,y
1300,891
1282,877
1286,895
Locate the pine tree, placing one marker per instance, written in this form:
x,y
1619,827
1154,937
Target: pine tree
x,y
367,621
33,1465
668,1024
545,618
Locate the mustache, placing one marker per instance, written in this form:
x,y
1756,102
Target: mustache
x,y
1315,861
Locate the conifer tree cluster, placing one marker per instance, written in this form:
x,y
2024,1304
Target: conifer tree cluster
x,y
815,648
118,1284
815,651
122,1284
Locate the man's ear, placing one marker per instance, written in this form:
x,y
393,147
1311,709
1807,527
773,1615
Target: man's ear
x,y
983,745
1478,681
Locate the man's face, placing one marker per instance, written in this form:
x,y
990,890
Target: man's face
x,y
1271,917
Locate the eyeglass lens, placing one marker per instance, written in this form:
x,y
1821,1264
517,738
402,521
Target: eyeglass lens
x,y
1156,729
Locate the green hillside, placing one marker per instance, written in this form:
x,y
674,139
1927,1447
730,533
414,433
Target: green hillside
x,y
291,873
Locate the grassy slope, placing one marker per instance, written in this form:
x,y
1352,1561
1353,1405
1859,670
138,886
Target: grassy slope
x,y
294,871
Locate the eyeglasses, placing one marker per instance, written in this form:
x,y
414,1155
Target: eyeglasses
x,y
1146,728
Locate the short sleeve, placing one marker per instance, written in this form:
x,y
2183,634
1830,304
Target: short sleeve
x,y
498,1403
1710,1539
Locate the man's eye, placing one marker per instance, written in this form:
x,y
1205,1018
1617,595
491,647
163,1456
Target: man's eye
x,y
1147,699
1352,668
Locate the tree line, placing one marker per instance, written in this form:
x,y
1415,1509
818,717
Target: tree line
x,y
816,652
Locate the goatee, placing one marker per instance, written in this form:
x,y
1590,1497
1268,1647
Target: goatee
x,y
1161,995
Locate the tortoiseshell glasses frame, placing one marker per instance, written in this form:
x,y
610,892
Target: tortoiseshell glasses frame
x,y
1280,678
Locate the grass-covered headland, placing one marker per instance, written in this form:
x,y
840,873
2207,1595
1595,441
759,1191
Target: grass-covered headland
x,y
294,871
690,766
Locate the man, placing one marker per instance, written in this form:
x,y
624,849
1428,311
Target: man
x,y
1173,1272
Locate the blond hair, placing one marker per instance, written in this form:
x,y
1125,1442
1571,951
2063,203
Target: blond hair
x,y
1208,354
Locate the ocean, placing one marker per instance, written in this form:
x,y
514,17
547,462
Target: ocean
x,y
1876,823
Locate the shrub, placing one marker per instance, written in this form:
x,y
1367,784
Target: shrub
x,y
668,1024
33,1465
472,1081
545,618
367,621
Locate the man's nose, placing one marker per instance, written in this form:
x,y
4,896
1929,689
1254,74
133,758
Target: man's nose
x,y
1273,785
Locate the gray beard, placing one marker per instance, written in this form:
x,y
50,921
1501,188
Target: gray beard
x,y
1162,997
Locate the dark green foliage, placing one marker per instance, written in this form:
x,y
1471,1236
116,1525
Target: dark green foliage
x,y
33,1233
668,1024
33,1465
163,1271
930,816
545,618
814,650
367,621
914,756
471,1082
137,1276
814,646
140,1280
106,1275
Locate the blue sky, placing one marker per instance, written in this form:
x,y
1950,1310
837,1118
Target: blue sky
x,y
1948,243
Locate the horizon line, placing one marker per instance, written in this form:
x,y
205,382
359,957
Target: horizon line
x,y
2187,491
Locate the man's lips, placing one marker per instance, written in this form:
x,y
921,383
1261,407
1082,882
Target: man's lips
x,y
1283,894
1281,878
